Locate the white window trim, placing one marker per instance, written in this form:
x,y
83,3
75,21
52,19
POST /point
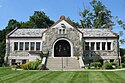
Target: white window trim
x,y
95,46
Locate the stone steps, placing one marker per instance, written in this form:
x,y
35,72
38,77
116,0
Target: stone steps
x,y
59,63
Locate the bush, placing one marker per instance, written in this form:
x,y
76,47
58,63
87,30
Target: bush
x,y
25,66
123,65
33,65
114,65
108,65
97,65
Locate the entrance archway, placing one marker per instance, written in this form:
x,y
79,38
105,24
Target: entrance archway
x,y
62,48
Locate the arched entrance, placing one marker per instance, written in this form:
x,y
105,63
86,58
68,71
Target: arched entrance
x,y
62,48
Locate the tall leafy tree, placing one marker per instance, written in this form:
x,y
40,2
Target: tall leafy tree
x,y
38,20
99,17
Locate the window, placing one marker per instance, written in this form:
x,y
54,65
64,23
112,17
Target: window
x,y
37,45
13,61
108,45
63,31
60,31
97,45
26,45
15,45
103,45
111,60
63,26
21,45
92,45
86,45
23,61
32,45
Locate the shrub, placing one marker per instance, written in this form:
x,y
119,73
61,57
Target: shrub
x,y
25,66
123,65
114,65
97,65
33,65
108,65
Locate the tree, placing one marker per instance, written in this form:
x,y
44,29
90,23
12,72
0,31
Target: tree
x,y
38,20
74,23
122,54
99,17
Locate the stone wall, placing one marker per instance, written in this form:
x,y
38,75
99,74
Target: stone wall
x,y
103,55
52,35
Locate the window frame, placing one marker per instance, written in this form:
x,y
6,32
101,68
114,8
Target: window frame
x,y
16,46
21,45
32,45
86,45
97,46
39,46
109,47
26,48
93,46
103,45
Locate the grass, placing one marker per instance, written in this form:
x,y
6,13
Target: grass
x,y
10,76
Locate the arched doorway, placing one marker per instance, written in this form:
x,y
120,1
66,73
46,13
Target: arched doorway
x,y
62,48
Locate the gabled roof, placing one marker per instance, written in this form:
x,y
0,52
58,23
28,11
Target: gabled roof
x,y
27,33
98,32
63,18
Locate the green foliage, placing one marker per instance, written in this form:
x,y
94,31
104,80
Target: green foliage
x,y
38,20
33,65
99,17
108,65
76,24
120,22
123,65
25,66
122,53
97,65
114,65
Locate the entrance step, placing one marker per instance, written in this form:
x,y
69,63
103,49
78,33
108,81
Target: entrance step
x,y
63,63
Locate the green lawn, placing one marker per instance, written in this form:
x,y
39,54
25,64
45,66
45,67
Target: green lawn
x,y
10,76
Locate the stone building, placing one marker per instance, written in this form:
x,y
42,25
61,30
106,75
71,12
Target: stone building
x,y
62,40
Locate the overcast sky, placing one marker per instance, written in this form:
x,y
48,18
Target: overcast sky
x,y
20,10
